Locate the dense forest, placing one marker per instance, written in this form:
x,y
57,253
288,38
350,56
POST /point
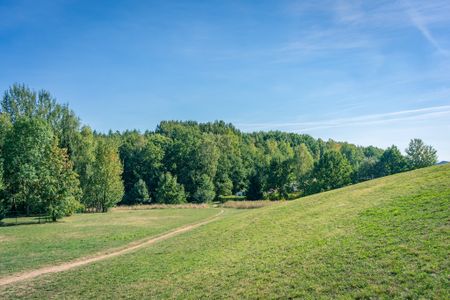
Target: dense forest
x,y
52,165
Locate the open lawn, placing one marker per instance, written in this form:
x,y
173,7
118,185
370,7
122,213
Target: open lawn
x,y
386,238
24,247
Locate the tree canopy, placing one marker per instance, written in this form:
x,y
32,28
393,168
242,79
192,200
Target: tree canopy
x,y
50,164
420,155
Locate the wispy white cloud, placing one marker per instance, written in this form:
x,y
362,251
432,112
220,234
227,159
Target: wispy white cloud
x,y
419,22
404,115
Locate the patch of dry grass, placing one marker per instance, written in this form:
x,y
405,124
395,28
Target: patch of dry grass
x,y
249,204
160,206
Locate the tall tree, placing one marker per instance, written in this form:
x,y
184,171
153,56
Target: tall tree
x,y
83,157
169,191
205,190
106,181
280,175
139,193
39,175
303,164
367,169
25,152
391,162
60,185
223,184
142,156
330,172
20,101
420,155
5,127
256,188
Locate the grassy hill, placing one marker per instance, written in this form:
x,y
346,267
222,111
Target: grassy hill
x,y
386,238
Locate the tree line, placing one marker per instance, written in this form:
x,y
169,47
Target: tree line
x,y
52,165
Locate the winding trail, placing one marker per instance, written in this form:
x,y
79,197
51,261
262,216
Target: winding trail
x,y
89,260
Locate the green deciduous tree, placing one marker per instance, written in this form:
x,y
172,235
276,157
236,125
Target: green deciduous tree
x,y
83,156
20,101
139,193
330,172
420,155
5,127
279,175
205,190
367,169
106,186
223,184
391,162
303,163
60,185
169,191
142,156
39,175
27,147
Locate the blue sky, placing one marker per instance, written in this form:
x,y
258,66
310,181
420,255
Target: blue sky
x,y
369,72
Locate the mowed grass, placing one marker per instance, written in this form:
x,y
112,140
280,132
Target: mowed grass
x,y
25,247
386,238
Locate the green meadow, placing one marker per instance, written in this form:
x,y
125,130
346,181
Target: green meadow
x,y
384,238
25,247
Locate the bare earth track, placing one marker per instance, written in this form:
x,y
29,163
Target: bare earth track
x,y
85,261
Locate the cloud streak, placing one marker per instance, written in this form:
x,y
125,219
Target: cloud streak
x,y
418,21
404,115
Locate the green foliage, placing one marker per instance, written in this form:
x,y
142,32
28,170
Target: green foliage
x,y
142,156
224,185
106,186
139,193
330,172
169,191
38,174
5,127
205,190
303,164
420,155
61,185
208,159
83,157
367,169
255,186
391,162
20,101
353,154
280,175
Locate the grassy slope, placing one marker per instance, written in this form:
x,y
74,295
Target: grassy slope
x,y
30,246
384,238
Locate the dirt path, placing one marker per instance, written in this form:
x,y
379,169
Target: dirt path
x,y
85,261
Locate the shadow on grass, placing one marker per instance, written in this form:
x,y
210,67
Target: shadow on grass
x,y
25,221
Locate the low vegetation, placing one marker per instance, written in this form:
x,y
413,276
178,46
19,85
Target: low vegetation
x,y
161,206
385,238
248,204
